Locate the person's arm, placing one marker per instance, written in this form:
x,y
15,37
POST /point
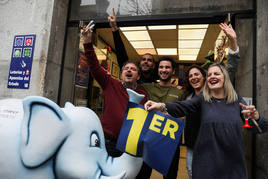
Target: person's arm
x,y
176,108
97,72
232,63
182,108
233,53
263,124
250,112
120,49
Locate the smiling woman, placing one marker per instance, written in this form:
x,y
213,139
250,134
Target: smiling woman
x,y
219,85
219,145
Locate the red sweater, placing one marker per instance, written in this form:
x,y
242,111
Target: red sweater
x,y
115,95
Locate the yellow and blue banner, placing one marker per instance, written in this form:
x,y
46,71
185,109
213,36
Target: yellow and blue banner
x,y
153,135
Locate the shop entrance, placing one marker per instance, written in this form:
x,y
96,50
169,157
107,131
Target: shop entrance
x,y
86,92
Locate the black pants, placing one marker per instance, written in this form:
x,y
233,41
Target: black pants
x,y
110,144
173,169
146,171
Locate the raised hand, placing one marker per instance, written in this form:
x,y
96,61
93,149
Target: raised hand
x,y
112,21
231,34
228,30
250,111
86,36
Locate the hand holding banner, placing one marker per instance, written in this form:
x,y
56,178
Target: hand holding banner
x,y
151,135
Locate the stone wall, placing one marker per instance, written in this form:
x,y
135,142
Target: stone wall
x,y
47,20
21,18
261,142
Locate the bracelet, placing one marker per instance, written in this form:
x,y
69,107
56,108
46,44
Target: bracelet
x,y
164,108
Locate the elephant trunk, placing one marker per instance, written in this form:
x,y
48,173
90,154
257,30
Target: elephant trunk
x,y
127,163
120,176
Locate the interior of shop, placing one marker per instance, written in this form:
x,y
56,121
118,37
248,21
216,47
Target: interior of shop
x,y
186,44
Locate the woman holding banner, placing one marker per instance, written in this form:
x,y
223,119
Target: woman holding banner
x,y
194,82
218,151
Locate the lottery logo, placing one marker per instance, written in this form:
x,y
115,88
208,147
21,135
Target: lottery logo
x,y
28,42
17,52
27,52
19,41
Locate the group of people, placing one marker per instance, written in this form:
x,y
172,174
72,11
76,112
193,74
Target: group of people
x,y
212,108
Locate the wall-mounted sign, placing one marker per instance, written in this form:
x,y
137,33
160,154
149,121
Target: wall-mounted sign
x,y
21,61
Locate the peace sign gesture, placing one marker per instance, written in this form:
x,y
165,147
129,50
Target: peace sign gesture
x,y
112,21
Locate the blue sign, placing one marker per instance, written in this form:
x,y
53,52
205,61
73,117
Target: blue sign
x,y
21,61
154,136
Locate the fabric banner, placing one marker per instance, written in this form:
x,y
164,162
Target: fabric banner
x,y
153,135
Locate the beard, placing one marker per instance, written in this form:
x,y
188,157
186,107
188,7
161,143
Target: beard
x,y
166,79
148,70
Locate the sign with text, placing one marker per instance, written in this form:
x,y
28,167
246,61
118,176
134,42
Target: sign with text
x,y
154,136
21,61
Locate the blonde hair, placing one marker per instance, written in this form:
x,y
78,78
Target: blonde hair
x,y
229,91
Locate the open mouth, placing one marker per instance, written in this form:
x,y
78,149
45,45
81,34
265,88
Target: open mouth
x,y
164,74
128,75
213,81
195,81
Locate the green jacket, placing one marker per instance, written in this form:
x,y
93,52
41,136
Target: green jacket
x,y
163,94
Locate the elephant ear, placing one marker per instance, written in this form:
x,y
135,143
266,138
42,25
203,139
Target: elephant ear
x,y
44,128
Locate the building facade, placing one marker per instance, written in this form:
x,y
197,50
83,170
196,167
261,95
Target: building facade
x,y
55,23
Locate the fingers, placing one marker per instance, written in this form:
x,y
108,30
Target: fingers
x,y
249,107
113,12
113,17
242,105
250,111
225,26
147,105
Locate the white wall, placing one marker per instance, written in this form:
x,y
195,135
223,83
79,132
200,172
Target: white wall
x,y
22,17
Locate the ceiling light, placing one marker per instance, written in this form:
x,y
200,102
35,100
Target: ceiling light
x,y
195,26
188,51
162,27
192,34
137,35
166,51
133,28
187,57
142,44
190,43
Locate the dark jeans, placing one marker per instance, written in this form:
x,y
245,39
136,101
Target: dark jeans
x,y
173,169
146,171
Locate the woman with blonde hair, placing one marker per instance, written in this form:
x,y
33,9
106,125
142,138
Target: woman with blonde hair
x,y
228,90
218,151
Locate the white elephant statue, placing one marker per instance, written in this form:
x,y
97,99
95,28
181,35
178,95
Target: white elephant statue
x,y
40,140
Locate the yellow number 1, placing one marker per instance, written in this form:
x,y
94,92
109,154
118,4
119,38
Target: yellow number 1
x,y
138,116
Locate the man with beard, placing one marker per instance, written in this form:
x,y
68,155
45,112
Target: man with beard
x,y
114,93
160,92
147,63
